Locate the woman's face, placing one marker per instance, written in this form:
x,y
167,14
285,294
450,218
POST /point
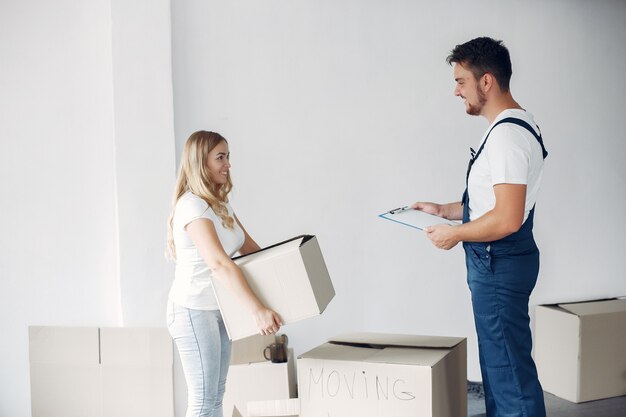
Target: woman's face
x,y
219,163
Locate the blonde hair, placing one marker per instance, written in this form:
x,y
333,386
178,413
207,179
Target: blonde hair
x,y
194,177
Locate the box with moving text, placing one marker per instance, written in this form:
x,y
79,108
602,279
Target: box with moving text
x,y
290,278
382,375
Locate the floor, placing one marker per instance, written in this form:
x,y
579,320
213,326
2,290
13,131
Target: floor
x,y
555,406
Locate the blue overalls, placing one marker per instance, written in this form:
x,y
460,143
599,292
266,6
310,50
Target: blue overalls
x,y
501,275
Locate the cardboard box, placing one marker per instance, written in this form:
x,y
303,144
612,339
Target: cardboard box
x,y
258,381
250,349
290,278
275,408
384,375
101,372
580,349
65,372
136,372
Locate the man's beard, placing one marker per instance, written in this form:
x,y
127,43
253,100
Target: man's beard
x,y
474,110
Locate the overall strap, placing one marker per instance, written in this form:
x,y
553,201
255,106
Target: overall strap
x,y
475,155
525,125
515,121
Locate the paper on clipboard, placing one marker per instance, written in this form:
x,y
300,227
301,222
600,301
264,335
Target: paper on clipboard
x,y
415,218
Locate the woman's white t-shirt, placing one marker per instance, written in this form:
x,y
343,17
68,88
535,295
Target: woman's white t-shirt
x,y
512,155
192,287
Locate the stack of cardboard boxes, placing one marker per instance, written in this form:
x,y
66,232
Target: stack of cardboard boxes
x,y
129,371
251,377
364,374
370,375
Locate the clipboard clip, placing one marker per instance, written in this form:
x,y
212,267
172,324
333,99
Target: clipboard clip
x,y
399,210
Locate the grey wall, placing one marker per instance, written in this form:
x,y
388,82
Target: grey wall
x,y
339,110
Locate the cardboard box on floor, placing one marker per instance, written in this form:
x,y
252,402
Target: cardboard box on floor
x,y
256,381
101,372
275,408
383,375
290,278
580,349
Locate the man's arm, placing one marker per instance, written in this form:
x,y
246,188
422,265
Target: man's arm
x,y
504,219
450,211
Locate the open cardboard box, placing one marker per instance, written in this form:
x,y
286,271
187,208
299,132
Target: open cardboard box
x,y
580,349
259,381
383,375
290,277
250,349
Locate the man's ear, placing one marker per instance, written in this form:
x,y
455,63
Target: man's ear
x,y
487,82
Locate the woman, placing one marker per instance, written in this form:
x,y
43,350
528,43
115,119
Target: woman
x,y
203,234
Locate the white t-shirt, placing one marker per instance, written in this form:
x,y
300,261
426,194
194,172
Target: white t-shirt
x,y
192,286
512,155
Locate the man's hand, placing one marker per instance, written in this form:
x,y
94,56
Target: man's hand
x,y
442,235
450,211
430,208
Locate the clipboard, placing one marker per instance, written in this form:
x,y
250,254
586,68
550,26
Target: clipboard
x,y
416,219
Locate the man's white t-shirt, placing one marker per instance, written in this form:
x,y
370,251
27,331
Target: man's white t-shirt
x,y
192,287
512,155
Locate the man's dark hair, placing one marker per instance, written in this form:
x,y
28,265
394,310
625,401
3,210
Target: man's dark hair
x,y
484,55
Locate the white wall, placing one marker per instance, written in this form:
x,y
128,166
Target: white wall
x,y
339,110
336,111
145,160
58,247
87,167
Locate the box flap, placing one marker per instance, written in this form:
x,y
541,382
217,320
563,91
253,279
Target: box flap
x,y
318,273
409,356
381,340
596,307
385,348
340,352
278,247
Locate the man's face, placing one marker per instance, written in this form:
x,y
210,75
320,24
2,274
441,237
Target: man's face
x,y
468,88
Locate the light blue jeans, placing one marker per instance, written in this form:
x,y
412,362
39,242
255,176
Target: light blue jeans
x,y
204,350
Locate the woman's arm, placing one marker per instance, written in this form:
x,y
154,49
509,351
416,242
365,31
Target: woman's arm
x,y
249,245
202,233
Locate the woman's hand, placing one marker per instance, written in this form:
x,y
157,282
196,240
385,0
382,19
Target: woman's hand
x,y
267,321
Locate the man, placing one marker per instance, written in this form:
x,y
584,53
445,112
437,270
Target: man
x,y
497,210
